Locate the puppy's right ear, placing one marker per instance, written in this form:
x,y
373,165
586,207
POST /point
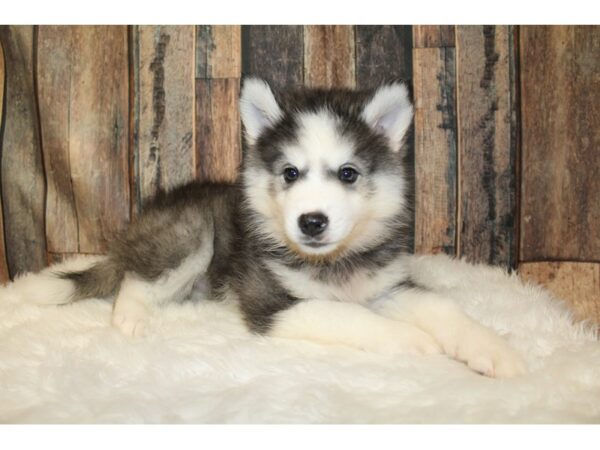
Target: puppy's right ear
x,y
258,108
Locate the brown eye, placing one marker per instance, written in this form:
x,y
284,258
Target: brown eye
x,y
348,174
290,174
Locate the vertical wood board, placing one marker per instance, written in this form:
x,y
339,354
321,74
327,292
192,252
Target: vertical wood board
x,y
486,144
218,133
560,190
329,56
435,150
165,155
23,188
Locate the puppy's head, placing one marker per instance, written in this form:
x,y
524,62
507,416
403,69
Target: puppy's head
x,y
323,168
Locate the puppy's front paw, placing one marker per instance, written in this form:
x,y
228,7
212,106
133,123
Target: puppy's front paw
x,y
130,320
411,340
487,353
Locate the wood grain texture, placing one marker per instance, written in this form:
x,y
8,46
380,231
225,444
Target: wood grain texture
x,y
23,187
434,81
383,52
329,56
275,53
99,132
218,130
486,144
431,36
577,283
4,275
560,191
54,71
218,51
164,108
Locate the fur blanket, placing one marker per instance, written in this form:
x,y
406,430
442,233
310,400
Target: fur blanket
x,y
66,364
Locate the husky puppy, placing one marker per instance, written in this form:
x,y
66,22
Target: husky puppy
x,y
311,242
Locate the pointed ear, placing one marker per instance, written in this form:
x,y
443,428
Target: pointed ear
x,y
258,108
389,112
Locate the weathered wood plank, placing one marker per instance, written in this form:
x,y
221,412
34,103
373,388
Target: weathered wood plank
x,y
486,144
329,56
23,187
435,150
218,51
577,283
218,131
274,52
99,133
428,36
164,108
4,275
54,69
382,52
560,191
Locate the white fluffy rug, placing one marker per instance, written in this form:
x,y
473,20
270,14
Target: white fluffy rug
x,y
67,365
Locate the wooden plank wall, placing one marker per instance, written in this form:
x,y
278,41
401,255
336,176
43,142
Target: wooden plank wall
x,y
560,186
112,114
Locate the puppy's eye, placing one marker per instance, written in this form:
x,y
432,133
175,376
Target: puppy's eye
x,y
290,174
348,174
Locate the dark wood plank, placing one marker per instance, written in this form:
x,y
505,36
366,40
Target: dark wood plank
x,y
383,52
4,275
577,283
429,36
275,53
486,145
329,56
99,133
434,81
164,108
218,131
54,69
560,191
23,187
218,51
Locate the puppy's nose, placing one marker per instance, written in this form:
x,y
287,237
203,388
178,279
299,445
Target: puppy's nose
x,y
313,224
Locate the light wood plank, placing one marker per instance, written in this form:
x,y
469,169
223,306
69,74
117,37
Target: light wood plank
x,y
560,191
577,283
486,144
99,133
4,275
218,51
54,74
23,187
432,36
164,109
218,130
435,150
329,56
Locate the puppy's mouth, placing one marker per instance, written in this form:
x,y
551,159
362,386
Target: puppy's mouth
x,y
316,244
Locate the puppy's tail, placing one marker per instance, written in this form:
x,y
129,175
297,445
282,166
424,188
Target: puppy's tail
x,y
75,279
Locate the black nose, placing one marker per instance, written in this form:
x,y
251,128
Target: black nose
x,y
313,224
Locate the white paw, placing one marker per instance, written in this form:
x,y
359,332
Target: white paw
x,y
411,340
131,321
489,354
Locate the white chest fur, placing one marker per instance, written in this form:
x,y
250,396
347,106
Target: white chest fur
x,y
362,287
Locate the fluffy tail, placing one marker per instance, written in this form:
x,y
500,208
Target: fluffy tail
x,y
72,280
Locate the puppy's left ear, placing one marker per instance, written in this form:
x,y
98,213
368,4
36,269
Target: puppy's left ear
x,y
389,112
